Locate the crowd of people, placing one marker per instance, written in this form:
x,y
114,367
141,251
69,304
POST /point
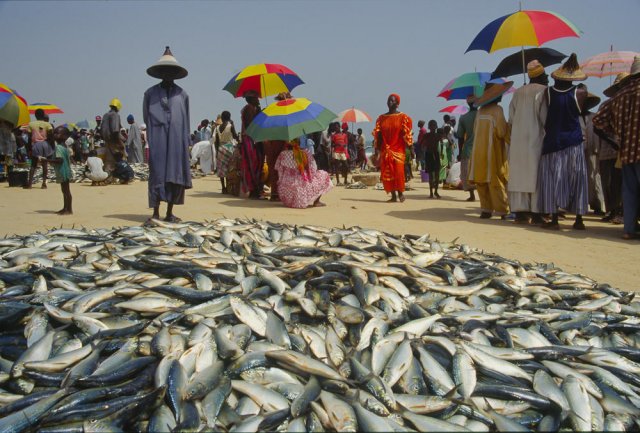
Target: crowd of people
x,y
550,157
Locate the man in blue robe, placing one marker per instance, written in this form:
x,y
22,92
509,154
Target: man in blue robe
x,y
166,114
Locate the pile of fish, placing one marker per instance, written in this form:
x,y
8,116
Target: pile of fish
x,y
140,170
244,325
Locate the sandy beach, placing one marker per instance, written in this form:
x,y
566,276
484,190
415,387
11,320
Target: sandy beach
x,y
597,252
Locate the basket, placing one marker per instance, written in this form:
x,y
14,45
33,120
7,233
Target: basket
x,y
18,178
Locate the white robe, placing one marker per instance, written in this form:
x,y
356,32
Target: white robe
x,y
203,151
526,114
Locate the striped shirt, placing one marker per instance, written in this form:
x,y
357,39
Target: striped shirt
x,y
621,118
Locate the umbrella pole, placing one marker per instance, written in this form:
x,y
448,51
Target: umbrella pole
x,y
611,68
524,68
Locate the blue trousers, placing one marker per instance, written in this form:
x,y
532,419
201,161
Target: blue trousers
x,y
630,195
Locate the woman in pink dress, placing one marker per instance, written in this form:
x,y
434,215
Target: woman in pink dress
x,y
300,183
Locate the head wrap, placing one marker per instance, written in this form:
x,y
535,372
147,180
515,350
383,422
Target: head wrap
x,y
345,125
130,118
98,117
143,126
534,69
300,157
397,97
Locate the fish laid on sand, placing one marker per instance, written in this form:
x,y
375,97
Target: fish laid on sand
x,y
243,325
140,172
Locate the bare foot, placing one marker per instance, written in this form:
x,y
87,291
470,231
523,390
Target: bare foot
x,y
319,204
392,200
61,212
401,199
44,186
172,219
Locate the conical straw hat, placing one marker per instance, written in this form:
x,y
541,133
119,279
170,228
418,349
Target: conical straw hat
x,y
167,67
570,70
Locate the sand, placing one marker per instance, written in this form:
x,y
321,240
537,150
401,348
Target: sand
x,y
597,252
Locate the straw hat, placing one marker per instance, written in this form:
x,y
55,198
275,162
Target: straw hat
x,y
591,101
635,66
167,67
619,81
534,69
492,91
570,70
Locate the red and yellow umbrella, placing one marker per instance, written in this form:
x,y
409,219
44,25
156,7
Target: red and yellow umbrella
x,y
265,79
523,28
13,107
46,107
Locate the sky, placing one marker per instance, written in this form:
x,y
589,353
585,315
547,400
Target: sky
x,y
350,53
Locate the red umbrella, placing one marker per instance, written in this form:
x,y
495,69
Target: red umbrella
x,y
455,109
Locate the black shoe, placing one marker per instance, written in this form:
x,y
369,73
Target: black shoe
x,y
579,225
485,215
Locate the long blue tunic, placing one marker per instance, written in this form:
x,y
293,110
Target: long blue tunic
x,y
166,114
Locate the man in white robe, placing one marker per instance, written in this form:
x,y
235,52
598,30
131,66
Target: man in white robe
x,y
527,134
202,151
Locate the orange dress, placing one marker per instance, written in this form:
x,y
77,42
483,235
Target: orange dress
x,y
396,135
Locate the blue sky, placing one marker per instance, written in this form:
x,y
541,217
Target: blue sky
x,y
80,54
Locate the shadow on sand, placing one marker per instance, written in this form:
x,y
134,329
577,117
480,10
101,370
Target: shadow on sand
x,y
130,217
472,214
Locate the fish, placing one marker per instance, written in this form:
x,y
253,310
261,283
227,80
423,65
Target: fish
x,y
246,325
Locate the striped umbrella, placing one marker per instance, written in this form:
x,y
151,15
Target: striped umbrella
x,y
353,115
609,63
289,119
46,107
265,79
13,107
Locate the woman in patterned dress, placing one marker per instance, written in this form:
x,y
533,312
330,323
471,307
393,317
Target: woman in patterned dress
x,y
225,138
300,183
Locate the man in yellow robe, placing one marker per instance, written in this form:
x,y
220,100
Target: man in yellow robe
x,y
489,165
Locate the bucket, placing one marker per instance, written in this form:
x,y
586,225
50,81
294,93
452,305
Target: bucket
x,y
424,176
18,178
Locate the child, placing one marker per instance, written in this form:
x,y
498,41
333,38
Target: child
x,y
122,171
62,166
95,169
445,150
84,143
432,157
339,142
